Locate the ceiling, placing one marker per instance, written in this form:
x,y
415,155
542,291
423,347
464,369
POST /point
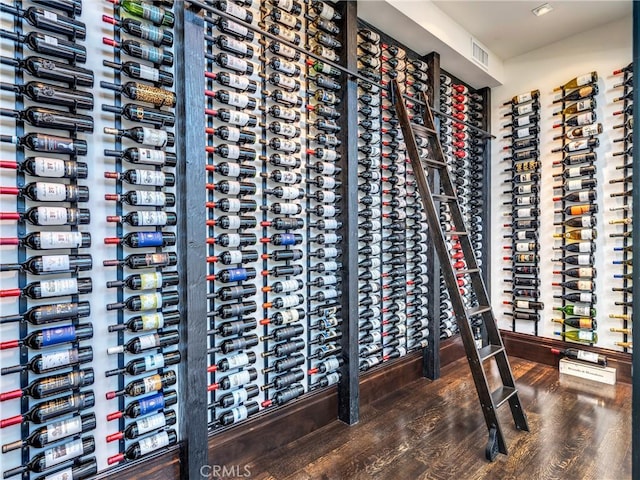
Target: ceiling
x,y
509,29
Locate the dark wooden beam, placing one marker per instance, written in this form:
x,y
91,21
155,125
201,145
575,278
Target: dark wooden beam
x,y
635,416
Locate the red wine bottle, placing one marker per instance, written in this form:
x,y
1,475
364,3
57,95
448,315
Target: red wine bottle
x,y
51,288
150,178
70,7
52,385
583,355
149,198
55,360
145,405
45,264
52,94
50,118
142,240
48,143
238,82
142,386
147,301
145,425
49,21
142,114
55,431
48,167
49,192
47,69
79,471
145,446
145,136
44,314
149,363
145,218
50,409
55,455
49,45
149,321
140,71
47,337
146,342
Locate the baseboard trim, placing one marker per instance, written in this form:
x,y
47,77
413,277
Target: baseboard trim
x,y
538,349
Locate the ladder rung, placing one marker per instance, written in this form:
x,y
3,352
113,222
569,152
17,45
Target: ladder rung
x,y
444,198
422,130
433,163
472,312
454,233
489,351
502,394
465,272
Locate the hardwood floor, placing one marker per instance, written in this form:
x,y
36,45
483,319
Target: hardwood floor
x,y
579,430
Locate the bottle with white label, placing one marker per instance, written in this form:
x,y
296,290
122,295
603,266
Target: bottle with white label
x,y
145,446
51,288
238,414
48,264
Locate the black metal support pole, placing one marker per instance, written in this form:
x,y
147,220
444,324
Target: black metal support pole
x,y
190,188
486,190
431,354
348,388
635,415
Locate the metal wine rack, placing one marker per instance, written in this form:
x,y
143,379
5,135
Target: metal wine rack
x,y
625,128
577,110
524,202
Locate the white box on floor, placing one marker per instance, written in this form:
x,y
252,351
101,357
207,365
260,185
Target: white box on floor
x,y
590,372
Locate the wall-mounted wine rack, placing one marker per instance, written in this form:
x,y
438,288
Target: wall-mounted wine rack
x,y
523,189
625,127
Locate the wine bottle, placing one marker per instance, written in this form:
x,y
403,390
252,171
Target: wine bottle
x,y
54,432
583,272
578,234
143,51
49,21
578,310
146,218
142,240
146,405
144,197
582,336
578,120
526,304
145,446
151,178
234,10
577,145
48,69
144,93
144,30
47,337
51,361
139,71
146,342
50,118
584,323
49,45
523,98
142,114
580,81
142,386
49,192
149,321
577,107
46,264
147,301
52,385
55,455
583,92
238,82
583,196
51,288
232,28
583,355
147,281
239,360
44,314
148,11
145,156
144,425
48,167
52,94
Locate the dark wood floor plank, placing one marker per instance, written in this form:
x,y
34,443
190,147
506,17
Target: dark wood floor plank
x,y
435,430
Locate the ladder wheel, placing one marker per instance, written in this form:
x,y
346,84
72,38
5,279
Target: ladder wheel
x,y
491,452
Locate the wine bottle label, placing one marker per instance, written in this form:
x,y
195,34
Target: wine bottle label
x,y
55,263
54,240
236,11
237,274
584,285
287,52
236,28
288,146
586,298
238,379
53,336
290,301
289,193
238,118
289,285
233,240
54,456
152,321
327,11
583,196
288,19
49,15
159,440
522,121
150,198
149,384
331,252
236,63
524,109
237,361
522,132
524,189
49,40
585,336
330,224
330,293
327,182
150,301
331,379
63,428
520,235
239,413
287,130
238,82
149,341
49,167
151,404
239,396
584,118
152,218
152,239
524,212
234,188
376,336
151,12
527,200
581,310
325,168
328,280
289,316
51,192
233,135
149,177
146,72
150,423
238,100
286,5
151,156
234,256
587,356
286,67
328,197
150,281
58,287
150,32
524,97
329,211
586,234
65,474
574,185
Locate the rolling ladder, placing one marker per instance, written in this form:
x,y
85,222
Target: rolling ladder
x,y
422,167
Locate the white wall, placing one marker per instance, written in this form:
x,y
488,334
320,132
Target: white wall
x,y
603,49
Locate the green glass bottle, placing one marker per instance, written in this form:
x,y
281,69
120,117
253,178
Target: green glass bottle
x,y
148,11
579,310
582,336
321,67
